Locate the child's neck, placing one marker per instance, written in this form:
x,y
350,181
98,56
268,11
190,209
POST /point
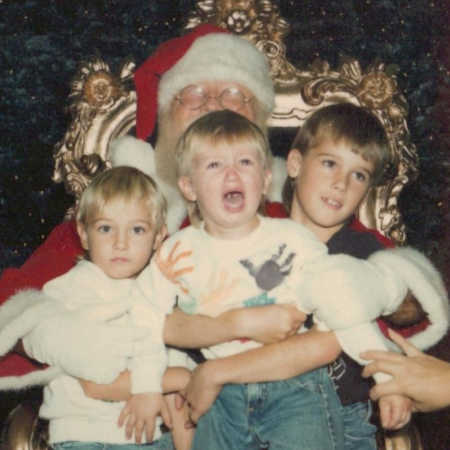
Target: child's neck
x,y
322,233
325,234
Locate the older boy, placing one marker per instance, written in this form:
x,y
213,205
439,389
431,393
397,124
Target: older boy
x,y
337,156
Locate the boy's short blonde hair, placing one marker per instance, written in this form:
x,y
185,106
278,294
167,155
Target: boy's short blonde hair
x,y
215,128
346,122
122,183
218,127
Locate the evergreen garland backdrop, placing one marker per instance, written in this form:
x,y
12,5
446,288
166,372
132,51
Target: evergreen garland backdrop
x,y
42,43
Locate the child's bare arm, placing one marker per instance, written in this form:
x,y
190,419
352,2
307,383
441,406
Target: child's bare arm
x,y
182,436
293,356
270,323
174,379
265,324
118,390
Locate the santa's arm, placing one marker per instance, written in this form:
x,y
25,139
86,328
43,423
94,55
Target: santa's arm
x,y
54,257
18,316
425,283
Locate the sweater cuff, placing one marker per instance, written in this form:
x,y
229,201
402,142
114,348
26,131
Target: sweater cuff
x,y
145,381
147,372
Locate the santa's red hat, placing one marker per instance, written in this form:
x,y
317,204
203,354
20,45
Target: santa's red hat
x,y
206,53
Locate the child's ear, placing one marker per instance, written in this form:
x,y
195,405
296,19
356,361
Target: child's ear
x,y
186,188
81,230
267,180
294,163
160,236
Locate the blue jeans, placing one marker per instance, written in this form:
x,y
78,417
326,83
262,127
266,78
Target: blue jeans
x,y
163,443
359,433
301,413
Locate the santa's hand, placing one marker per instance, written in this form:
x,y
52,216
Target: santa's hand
x,y
83,349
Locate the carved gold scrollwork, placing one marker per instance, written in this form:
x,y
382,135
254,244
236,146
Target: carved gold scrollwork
x,y
102,107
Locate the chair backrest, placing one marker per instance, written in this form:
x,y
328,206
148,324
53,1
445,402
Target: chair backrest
x,y
103,106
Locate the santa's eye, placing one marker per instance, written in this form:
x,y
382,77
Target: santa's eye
x,y
212,165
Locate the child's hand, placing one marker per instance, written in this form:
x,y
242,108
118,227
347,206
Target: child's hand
x,y
200,393
270,323
395,411
139,415
181,435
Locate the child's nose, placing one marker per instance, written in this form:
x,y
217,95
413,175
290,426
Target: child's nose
x,y
231,171
121,241
341,183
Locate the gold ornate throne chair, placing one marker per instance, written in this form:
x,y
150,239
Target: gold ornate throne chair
x,y
103,107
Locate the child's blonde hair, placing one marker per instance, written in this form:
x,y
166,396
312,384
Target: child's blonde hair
x,y
218,127
346,122
122,183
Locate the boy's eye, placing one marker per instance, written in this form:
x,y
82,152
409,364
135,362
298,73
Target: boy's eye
x,y
139,229
246,161
361,176
328,163
104,228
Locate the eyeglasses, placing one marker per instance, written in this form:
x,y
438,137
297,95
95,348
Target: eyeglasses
x,y
194,97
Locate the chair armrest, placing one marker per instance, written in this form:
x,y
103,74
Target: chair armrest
x,y
23,429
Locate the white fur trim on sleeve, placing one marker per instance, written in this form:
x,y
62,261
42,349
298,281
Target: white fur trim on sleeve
x,y
425,283
18,315
39,377
17,304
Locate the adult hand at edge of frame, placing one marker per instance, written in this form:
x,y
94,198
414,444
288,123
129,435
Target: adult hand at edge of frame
x,y
423,378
